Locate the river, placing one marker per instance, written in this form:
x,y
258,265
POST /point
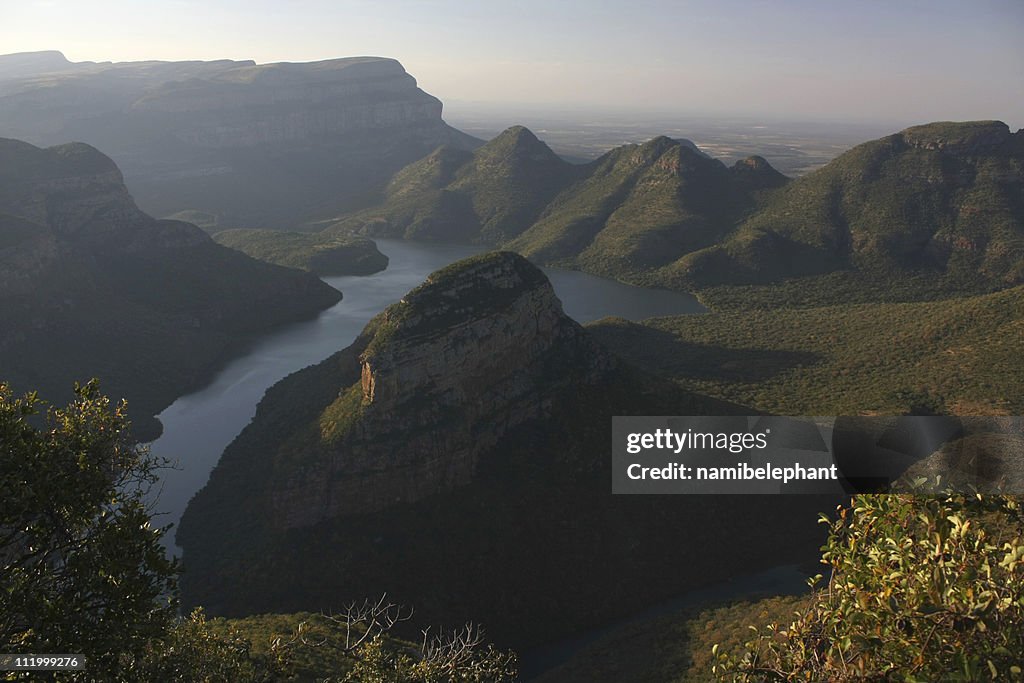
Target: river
x,y
198,427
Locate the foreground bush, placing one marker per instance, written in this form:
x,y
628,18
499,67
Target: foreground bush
x,y
921,589
83,571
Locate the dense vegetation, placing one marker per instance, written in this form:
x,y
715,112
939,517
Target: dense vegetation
x,y
83,569
455,195
913,589
321,254
673,648
634,209
933,211
941,200
84,572
920,589
959,356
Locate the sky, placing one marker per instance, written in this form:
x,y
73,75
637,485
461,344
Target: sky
x,y
858,60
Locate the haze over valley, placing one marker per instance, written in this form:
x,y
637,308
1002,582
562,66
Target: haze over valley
x,y
794,147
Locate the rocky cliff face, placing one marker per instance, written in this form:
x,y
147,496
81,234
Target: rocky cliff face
x,y
284,103
476,351
966,139
32,63
90,285
253,145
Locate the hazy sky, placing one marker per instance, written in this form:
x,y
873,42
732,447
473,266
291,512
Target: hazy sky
x,y
888,60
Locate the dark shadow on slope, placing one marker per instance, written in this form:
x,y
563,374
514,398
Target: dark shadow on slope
x,y
665,354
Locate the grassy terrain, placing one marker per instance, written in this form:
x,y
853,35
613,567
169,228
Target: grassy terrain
x,y
315,252
317,660
959,355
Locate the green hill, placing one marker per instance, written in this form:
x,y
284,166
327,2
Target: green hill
x,y
643,206
933,211
321,254
92,286
636,208
943,201
487,196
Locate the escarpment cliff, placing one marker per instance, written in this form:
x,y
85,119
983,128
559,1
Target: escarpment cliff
x,y
251,145
92,286
457,456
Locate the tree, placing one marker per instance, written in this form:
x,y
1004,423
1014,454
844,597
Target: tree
x,y
83,570
921,589
192,651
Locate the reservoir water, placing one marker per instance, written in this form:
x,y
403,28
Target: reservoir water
x,y
197,427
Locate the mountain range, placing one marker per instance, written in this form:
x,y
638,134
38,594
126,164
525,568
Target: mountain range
x,y
234,144
938,207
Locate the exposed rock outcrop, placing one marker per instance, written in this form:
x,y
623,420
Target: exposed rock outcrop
x,y
970,138
252,105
